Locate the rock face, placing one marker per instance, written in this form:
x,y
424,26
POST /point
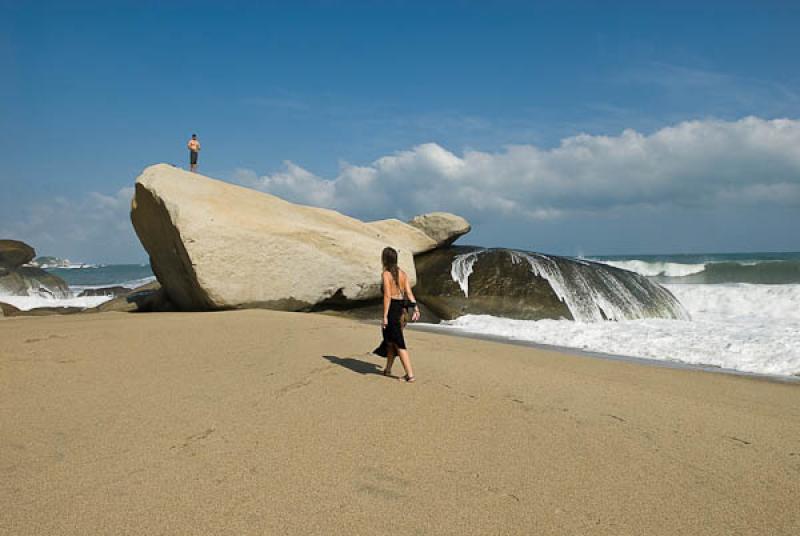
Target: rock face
x,y
457,281
443,227
14,253
19,280
214,245
496,287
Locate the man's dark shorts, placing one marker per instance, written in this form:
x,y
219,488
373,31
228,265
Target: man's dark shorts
x,y
193,157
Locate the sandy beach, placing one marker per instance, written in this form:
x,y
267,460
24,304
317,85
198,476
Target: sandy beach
x,y
261,422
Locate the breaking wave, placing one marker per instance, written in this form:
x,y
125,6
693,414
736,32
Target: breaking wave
x,y
759,271
744,327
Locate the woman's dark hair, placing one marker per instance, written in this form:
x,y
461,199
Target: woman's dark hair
x,y
389,260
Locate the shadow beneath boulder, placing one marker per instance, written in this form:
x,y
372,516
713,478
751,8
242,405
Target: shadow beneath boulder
x,y
367,310
356,365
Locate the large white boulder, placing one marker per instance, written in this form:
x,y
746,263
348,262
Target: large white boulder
x,y
215,245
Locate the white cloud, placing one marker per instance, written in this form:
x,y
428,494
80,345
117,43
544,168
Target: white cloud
x,y
709,165
692,164
92,228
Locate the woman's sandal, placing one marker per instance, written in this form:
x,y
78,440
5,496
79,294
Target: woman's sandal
x,y
387,373
408,379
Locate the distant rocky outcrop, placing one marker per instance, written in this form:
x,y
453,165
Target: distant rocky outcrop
x,y
17,279
55,262
215,245
457,281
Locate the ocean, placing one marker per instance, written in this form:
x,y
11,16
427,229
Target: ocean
x,y
84,277
744,311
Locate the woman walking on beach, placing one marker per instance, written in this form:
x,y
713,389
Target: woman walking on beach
x,y
397,297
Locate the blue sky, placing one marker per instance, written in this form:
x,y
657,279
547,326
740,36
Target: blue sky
x,y
292,97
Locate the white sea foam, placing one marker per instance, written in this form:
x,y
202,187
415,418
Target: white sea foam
x,y
26,303
741,301
36,298
751,328
132,284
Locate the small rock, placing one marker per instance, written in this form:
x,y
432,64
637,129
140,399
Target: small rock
x,y
443,227
14,253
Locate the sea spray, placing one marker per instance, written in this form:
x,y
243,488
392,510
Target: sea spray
x,y
591,291
462,269
663,269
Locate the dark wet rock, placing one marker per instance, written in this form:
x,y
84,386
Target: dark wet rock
x,y
153,302
145,299
373,310
16,279
30,280
496,287
533,286
105,291
14,253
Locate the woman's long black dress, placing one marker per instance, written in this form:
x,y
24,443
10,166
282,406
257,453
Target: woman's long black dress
x,y
393,332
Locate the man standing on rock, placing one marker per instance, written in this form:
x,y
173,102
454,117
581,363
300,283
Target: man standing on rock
x,y
194,148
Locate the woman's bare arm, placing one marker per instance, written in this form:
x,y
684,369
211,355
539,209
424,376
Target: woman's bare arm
x,y
387,296
410,296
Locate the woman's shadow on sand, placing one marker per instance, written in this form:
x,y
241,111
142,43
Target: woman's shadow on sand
x,y
356,365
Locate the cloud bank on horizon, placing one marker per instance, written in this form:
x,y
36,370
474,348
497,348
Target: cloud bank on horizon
x,y
77,228
698,164
704,165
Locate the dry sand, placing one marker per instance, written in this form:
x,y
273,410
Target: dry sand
x,y
259,422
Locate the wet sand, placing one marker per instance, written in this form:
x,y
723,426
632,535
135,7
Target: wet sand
x,y
259,422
